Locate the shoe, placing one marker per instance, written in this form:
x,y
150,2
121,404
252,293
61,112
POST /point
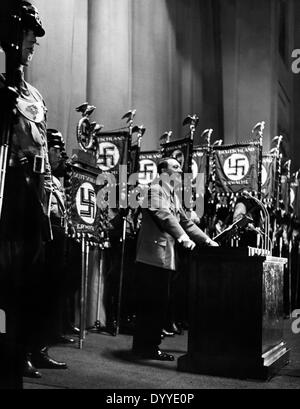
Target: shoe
x,y
157,355
162,356
43,360
168,333
111,327
29,371
62,339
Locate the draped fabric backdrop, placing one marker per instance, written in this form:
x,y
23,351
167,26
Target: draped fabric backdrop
x,y
159,57
167,59
59,67
124,54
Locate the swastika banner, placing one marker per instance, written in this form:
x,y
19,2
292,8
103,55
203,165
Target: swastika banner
x,y
113,151
236,168
134,159
85,215
148,166
199,161
268,177
199,171
181,150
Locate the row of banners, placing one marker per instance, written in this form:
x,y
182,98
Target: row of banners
x,y
228,170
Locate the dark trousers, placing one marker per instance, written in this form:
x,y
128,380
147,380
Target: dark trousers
x,y
21,276
21,297
152,285
55,291
63,275
112,281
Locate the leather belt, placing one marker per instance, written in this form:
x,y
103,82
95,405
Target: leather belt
x,y
57,221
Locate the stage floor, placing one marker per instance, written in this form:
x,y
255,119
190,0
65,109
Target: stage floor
x,y
105,362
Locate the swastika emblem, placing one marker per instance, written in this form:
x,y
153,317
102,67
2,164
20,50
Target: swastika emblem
x,y
264,175
148,171
108,156
178,154
86,203
236,167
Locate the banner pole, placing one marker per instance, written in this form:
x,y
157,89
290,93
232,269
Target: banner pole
x,y
100,275
86,274
118,319
130,115
208,179
82,292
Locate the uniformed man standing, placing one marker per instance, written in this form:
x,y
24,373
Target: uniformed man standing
x,y
24,225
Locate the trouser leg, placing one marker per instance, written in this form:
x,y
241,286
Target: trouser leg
x,y
152,301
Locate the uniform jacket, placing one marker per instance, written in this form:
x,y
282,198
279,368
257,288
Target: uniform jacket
x,y
28,182
29,138
163,222
57,202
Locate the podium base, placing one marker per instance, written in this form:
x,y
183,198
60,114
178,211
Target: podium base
x,y
231,367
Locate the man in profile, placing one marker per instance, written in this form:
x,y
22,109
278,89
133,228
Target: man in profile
x,y
24,223
164,224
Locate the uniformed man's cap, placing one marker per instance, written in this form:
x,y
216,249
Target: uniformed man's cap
x,y
55,139
31,19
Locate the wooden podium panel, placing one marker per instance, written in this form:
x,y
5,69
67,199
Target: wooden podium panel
x,y
235,315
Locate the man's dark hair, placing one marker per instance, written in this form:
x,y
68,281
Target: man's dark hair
x,y
164,164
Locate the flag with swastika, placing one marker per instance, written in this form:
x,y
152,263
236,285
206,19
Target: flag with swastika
x,y
268,177
134,159
199,162
84,213
182,150
148,167
236,168
199,169
113,151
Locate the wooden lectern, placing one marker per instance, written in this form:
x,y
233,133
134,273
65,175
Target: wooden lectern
x,y
235,314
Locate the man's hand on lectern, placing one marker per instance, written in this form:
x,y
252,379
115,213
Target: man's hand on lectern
x,y
212,243
187,242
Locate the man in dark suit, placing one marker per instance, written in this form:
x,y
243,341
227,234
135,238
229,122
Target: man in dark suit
x,y
164,223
